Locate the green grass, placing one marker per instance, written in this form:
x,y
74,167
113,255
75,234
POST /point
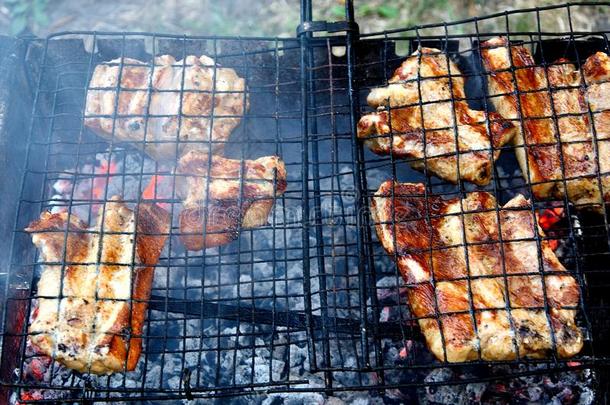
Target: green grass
x,y
27,13
277,17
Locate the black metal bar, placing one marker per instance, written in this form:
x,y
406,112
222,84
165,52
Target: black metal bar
x,y
304,64
362,214
250,314
306,35
15,102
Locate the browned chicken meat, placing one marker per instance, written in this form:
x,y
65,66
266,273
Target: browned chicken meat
x,y
91,312
152,112
425,234
222,196
596,72
425,129
555,145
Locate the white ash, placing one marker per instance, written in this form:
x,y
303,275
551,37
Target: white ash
x,y
294,399
447,394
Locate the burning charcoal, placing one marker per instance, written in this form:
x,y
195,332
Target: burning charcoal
x,y
443,394
294,399
406,349
173,382
39,369
101,180
298,357
393,299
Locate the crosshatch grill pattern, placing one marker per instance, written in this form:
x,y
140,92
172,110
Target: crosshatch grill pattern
x,y
198,319
315,285
390,345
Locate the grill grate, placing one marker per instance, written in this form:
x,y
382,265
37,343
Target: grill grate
x,y
389,346
195,316
310,302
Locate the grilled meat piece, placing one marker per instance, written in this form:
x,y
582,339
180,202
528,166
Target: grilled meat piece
x,y
596,71
223,195
148,110
555,143
426,236
428,137
91,311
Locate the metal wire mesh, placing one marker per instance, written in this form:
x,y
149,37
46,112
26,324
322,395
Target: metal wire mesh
x,y
390,344
314,289
202,304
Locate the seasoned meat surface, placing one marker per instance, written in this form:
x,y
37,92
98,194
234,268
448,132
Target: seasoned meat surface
x,y
425,134
555,145
149,110
596,71
223,195
91,311
425,235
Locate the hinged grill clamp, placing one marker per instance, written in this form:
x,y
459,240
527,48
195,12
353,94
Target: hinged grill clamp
x,y
325,26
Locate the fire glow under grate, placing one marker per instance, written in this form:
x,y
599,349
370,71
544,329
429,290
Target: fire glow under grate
x,y
310,303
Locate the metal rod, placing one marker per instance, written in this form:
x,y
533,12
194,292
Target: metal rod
x,y
298,320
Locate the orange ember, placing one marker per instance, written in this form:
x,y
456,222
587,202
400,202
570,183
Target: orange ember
x,y
547,219
100,182
150,192
550,217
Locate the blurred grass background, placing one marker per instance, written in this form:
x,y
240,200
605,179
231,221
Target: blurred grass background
x,y
264,17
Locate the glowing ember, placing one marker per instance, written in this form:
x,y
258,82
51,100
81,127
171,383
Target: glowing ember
x,y
548,219
31,396
100,182
404,351
83,188
38,367
153,189
92,184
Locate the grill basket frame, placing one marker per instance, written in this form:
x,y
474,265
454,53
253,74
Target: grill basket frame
x,y
329,172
